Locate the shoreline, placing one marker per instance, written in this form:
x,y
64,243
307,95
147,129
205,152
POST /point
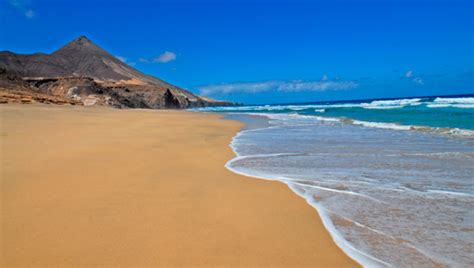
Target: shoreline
x,y
94,186
320,111
262,121
283,152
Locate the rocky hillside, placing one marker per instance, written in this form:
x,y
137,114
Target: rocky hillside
x,y
83,73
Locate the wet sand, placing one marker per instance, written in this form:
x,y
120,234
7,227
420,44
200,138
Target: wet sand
x,y
105,187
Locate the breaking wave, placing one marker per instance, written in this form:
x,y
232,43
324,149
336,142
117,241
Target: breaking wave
x,y
376,191
453,115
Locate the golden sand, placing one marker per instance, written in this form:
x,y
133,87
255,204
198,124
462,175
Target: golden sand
x,y
98,186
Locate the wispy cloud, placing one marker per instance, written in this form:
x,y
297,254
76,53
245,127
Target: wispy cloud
x,y
122,59
167,56
417,80
277,85
125,60
24,7
30,13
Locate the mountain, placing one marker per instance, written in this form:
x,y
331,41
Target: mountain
x,y
83,72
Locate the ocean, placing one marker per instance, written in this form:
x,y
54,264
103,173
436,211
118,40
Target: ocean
x,y
393,180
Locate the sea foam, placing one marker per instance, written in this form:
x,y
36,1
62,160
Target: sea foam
x,y
342,169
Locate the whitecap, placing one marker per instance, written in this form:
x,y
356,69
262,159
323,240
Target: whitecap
x,y
381,125
468,100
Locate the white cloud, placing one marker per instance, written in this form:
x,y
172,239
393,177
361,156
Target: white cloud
x,y
325,78
167,56
277,85
122,59
24,7
30,13
418,80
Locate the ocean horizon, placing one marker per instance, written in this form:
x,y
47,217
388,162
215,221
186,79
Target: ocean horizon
x,y
445,113
207,133
385,175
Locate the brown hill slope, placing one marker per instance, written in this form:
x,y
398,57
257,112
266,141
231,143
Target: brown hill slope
x,y
83,72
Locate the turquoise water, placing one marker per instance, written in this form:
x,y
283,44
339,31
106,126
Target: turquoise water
x,y
437,113
388,197
391,179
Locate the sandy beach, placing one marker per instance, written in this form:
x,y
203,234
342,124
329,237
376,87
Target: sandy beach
x,y
107,187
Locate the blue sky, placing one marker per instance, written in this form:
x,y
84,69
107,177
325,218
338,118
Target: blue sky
x,y
267,51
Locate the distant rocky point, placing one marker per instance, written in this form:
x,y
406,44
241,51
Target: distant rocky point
x,y
82,73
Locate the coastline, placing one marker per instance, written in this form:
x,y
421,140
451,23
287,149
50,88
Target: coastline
x,y
256,122
99,186
283,152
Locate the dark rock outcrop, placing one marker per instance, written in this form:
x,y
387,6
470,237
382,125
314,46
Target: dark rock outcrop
x,y
170,101
82,72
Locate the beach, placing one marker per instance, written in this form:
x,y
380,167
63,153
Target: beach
x,y
95,186
381,180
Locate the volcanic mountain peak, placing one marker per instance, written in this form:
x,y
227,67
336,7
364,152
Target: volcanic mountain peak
x,y
82,69
82,39
81,45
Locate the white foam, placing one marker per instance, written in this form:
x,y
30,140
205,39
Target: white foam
x,y
444,155
469,100
285,118
460,132
327,119
381,125
464,106
390,104
396,102
336,191
376,107
449,105
443,192
362,258
289,116
328,216
451,131
343,120
438,105
260,155
467,103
